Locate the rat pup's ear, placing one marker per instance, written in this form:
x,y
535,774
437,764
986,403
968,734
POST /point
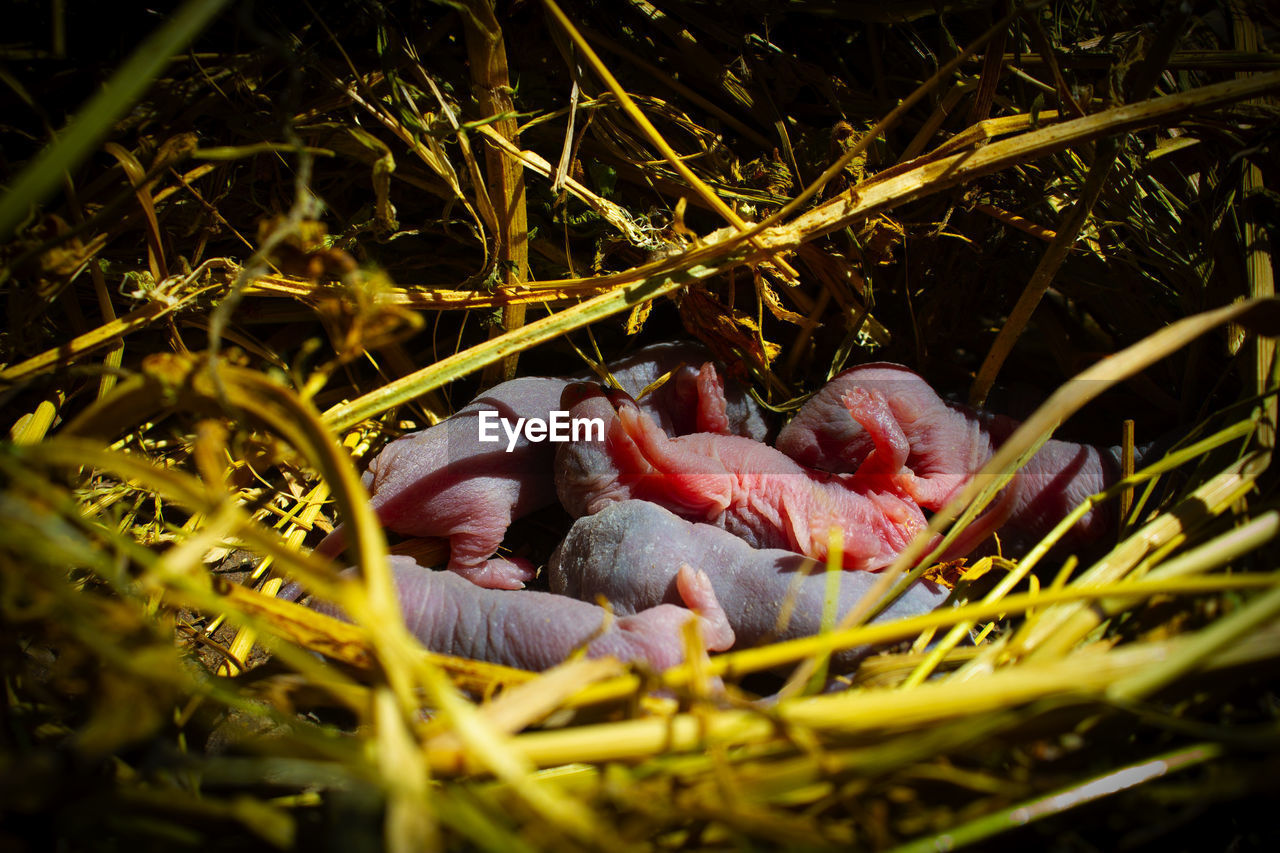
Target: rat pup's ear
x,y
575,392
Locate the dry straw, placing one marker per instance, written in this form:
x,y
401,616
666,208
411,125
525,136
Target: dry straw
x,y
984,194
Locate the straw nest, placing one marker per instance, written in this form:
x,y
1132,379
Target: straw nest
x,y
268,244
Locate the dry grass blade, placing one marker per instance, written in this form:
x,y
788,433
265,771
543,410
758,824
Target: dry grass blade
x,y
625,291
94,120
867,713
955,169
651,132
273,245
615,215
102,336
1258,265
1067,798
505,189
1068,231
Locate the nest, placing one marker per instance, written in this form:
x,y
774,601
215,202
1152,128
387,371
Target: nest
x,y
265,247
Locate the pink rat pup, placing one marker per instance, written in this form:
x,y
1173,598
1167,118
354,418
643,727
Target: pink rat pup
x,y
741,485
446,481
884,419
633,552
538,630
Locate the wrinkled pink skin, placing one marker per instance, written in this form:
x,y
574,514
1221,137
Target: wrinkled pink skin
x,y
885,419
743,486
443,481
631,553
537,630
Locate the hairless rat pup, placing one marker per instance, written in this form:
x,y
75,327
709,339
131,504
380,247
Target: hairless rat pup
x,y
537,630
444,481
744,486
632,553
883,419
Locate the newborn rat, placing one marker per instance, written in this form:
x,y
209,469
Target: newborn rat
x,y
884,419
632,553
537,630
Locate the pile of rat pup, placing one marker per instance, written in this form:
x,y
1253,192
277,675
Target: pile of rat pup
x,y
684,510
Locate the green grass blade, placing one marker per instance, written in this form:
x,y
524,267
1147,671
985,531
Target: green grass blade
x,y
92,123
